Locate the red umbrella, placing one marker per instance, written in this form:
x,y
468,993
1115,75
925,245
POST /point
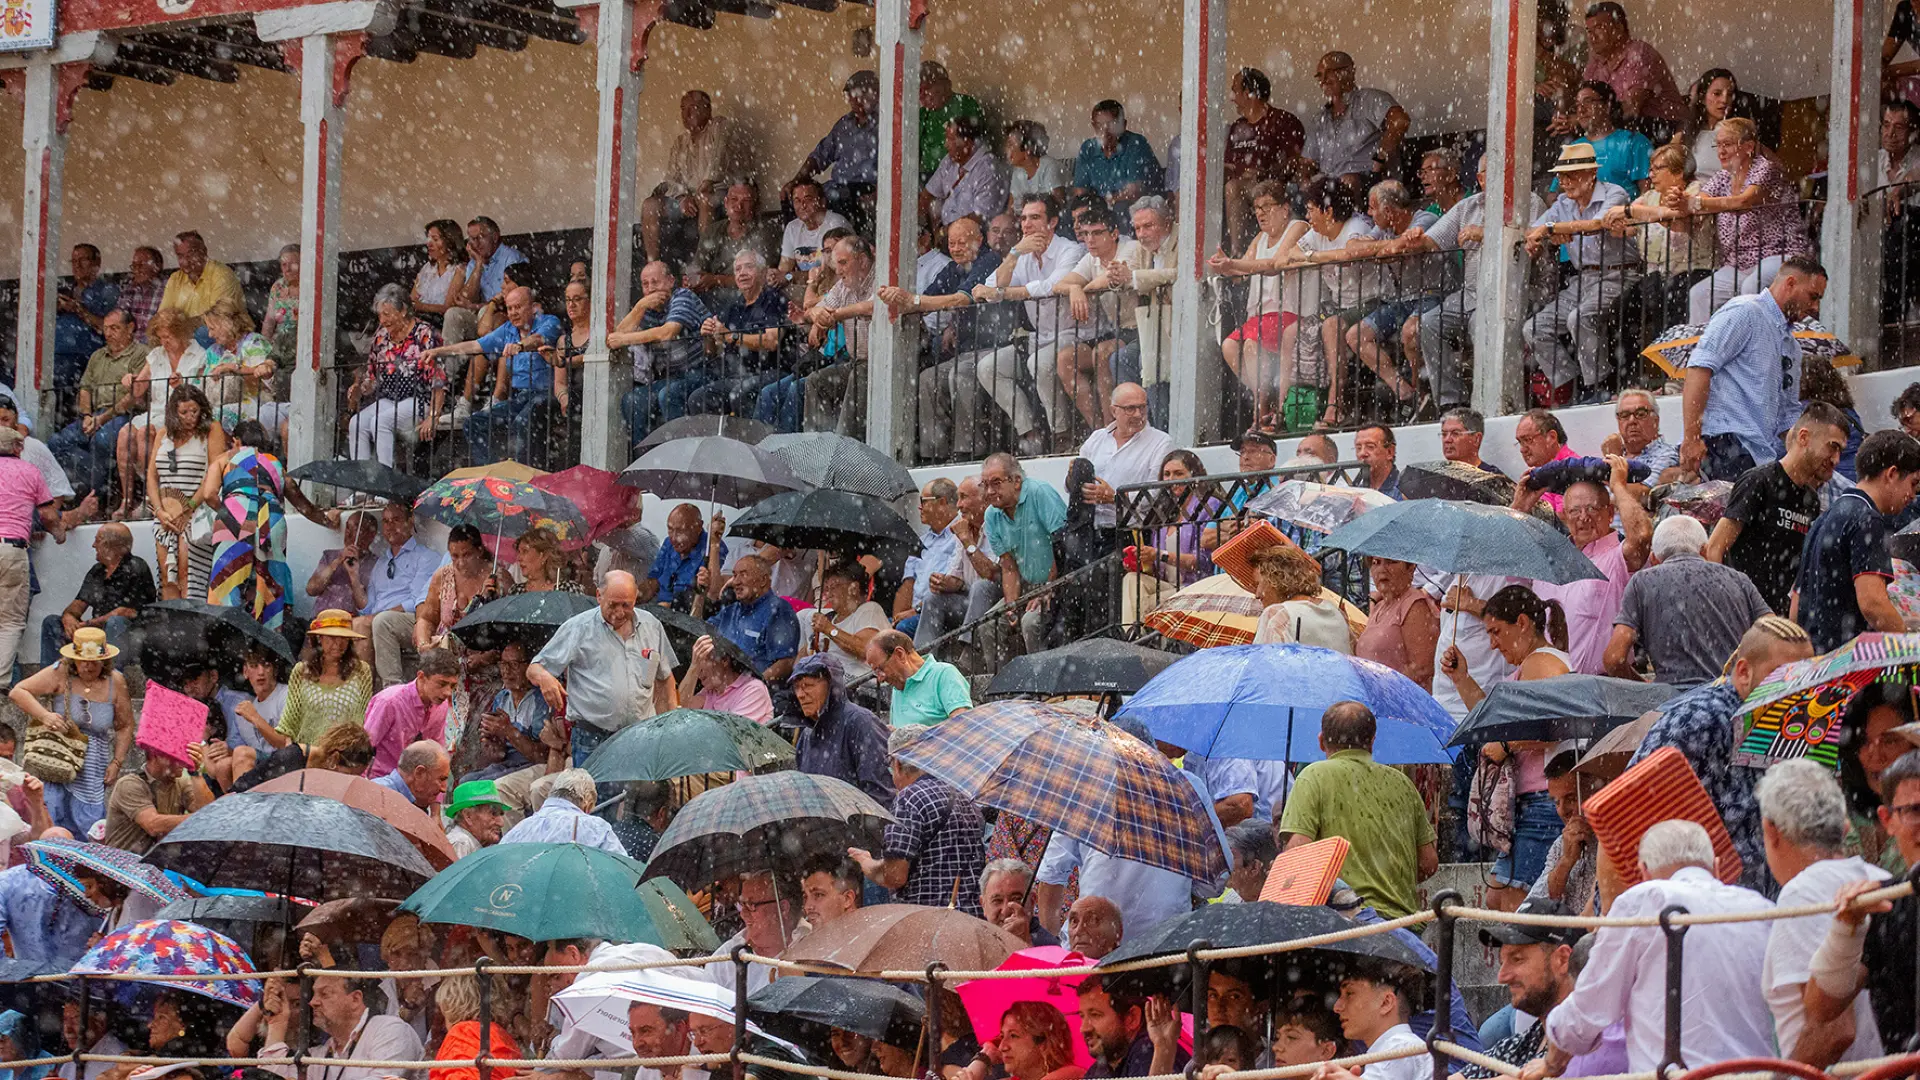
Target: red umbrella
x,y
606,503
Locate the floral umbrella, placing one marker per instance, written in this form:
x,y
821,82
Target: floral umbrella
x,y
505,508
169,947
1796,711
59,861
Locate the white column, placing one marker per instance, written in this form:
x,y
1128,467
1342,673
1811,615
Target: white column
x,y
893,362
1851,227
44,136
1503,264
1193,374
323,90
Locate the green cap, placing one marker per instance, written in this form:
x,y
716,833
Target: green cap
x,y
475,793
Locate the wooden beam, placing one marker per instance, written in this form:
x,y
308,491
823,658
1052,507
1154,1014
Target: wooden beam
x,y
187,63
547,24
493,37
397,47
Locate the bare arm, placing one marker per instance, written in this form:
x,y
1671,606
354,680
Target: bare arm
x,y
1870,592
1619,655
1725,532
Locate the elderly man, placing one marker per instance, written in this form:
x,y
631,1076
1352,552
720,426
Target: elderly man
x,y
1022,517
397,583
851,148
969,181
1845,570
512,724
145,805
1685,614
659,1031
925,691
746,335
951,400
1094,927
1356,136
1006,894
800,243
932,597
837,737
1772,507
835,398
1263,143
116,587
663,326
740,230
618,666
675,573
1605,264
1376,446
417,709
1634,69
1374,806
567,817
487,262
830,886
1542,440
478,814
934,850
1127,451
1625,982
353,1027
84,300
1413,283
761,622
199,281
523,381
1116,164
1743,379
939,106
420,773
1462,431
24,499
1148,361
140,293
1638,436
705,156
1587,511
103,405
769,915
1038,263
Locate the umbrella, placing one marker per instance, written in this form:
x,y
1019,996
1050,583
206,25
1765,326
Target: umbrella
x,y
677,918
1705,501
530,618
1563,707
905,937
1454,481
229,908
596,1002
384,803
758,822
606,503
503,508
1466,538
1674,347
1796,712
1608,756
1092,666
60,861
684,629
356,918
1217,611
174,632
170,947
826,460
295,845
1265,701
716,469
739,428
1320,507
837,521
1077,775
499,470
987,1000
541,892
869,1007
686,742
1557,476
367,476
1905,544
1230,926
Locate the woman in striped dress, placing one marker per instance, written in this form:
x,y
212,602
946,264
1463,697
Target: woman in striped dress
x,y
175,468
249,527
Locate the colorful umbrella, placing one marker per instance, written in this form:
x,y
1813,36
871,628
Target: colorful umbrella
x,y
987,999
544,892
759,822
58,861
168,947
505,508
1796,712
1080,776
606,503
384,803
1320,507
1673,349
686,742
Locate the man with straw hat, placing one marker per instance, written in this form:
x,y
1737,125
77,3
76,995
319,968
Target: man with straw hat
x,y
1606,265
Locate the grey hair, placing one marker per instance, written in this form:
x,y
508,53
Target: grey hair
x,y
1469,418
1004,866
902,738
1449,157
1394,194
576,786
1006,461
394,296
417,754
758,260
1031,135
1676,535
1640,392
1904,770
944,490
1803,800
1156,204
1675,843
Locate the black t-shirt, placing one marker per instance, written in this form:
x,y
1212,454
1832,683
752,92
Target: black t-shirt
x,y
1774,514
1889,956
129,586
1849,540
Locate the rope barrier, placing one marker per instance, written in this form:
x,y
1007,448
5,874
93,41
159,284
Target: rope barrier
x,y
1896,891
1475,1057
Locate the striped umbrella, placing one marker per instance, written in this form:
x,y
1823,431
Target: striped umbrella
x,y
60,861
1079,776
169,947
1217,611
1797,712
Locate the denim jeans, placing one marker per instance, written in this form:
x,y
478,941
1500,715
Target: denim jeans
x,y
671,393
512,419
88,459
53,634
780,402
1535,825
70,813
586,738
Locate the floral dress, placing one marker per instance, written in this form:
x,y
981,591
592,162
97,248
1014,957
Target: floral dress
x,y
237,397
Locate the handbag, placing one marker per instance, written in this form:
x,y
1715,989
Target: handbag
x,y
53,757
1490,805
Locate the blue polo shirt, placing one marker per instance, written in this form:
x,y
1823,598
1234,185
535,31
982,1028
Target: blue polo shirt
x,y
527,365
1028,534
1849,541
71,334
766,629
1132,163
493,276
676,572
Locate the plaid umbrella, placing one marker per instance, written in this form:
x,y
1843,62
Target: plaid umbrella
x,y
507,508
58,862
826,460
168,947
757,822
1797,711
1320,507
1212,611
1080,776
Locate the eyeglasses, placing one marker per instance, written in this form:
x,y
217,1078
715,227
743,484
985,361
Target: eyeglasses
x,y
1130,408
749,907
1908,812
1640,413
391,572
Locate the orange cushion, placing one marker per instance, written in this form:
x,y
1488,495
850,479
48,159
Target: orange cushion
x,y
1237,555
1304,875
1661,788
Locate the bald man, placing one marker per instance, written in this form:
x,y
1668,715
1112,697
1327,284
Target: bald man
x,y
1126,451
1093,927
676,566
618,666
420,774
117,586
523,382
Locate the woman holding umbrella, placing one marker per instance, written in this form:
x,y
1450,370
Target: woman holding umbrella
x,y
1034,1044
88,698
846,620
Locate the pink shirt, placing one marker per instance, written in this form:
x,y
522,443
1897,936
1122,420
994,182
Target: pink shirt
x,y
747,697
1591,605
1551,498
1640,66
30,493
396,717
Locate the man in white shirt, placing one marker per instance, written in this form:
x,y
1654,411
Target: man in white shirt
x,y
1127,451
1373,1009
591,1036
566,817
1040,260
1803,821
969,179
800,243
353,1031
769,917
1723,1013
98,1041
705,158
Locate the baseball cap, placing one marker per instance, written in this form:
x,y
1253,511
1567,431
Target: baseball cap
x,y
1254,438
1497,934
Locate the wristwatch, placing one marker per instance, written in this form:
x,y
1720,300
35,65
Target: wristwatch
x,y
973,549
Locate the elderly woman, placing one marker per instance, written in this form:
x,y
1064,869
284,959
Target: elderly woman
x,y
176,360
1295,608
1757,219
1403,626
240,369
403,387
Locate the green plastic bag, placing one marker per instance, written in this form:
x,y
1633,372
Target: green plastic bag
x,y
1303,406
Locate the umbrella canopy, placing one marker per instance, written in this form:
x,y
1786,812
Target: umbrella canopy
x,y
541,892
1454,481
384,803
711,469
504,508
530,618
869,1007
1563,707
1080,776
677,918
60,862
836,521
230,907
604,501
739,428
684,629
499,470
366,476
175,632
356,918
1466,538
987,1000
905,937
1320,507
1265,701
1228,926
170,947
1673,349
1210,612
1609,755
686,742
295,845
826,460
1705,501
760,822
1090,666
1798,710
596,1003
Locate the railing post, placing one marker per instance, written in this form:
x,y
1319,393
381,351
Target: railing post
x,y
1193,371
1854,221
739,1011
486,1017
1676,940
1502,295
1443,979
1197,975
1913,1041
933,1019
86,1021
303,1027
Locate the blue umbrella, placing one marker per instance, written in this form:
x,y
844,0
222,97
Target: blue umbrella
x,y
1466,538
1264,702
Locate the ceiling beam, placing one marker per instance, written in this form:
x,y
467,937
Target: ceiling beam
x,y
493,37
201,67
145,73
217,47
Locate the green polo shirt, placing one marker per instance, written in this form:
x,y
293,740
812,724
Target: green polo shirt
x,y
1028,534
931,695
104,368
1379,812
933,130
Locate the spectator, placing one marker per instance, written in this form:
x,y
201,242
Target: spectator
x,y
240,369
1535,965
1116,164
96,1039
140,293
116,587
48,928
1542,440
617,662
747,336
1021,520
1147,361
1462,430
705,157
1685,614
756,619
1572,865
1605,266
145,805
403,390
1127,451
714,681
175,361
800,244
400,577
331,688
340,1008
837,737
1356,137
664,328
176,466
939,106
1772,507
1244,790
1700,724
1714,96
851,149
1757,221
1260,351
199,281
254,711
1592,605
1093,927
969,181
1295,607
830,886
1263,144
740,229
1175,553
675,572
1374,1007
1678,254
1821,381
1336,298
1006,890
934,851
1403,625
1041,260
103,405
1623,155
932,595
1086,370
567,816
1841,590
1638,437
1898,170
1113,1024
1440,180
512,723
1634,70
419,772
950,397
1415,284
836,395
84,300
1374,445
523,381
648,812
925,691
1374,806
1253,849
1030,172
24,502
442,279
91,700
406,712
770,914
1906,409
846,621
486,271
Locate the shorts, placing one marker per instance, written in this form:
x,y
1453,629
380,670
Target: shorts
x,y
1387,319
1265,327
1536,824
1352,315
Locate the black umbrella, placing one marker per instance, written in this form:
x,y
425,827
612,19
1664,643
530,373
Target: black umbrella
x,y
1563,707
713,469
743,428
367,476
778,820
826,460
794,1007
836,521
207,910
295,845
1227,926
1452,480
1092,666
684,629
174,633
1465,538
529,618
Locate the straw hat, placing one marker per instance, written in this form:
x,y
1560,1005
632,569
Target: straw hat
x,y
1576,157
89,643
333,622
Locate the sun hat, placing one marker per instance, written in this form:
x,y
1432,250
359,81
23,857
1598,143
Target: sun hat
x,y
334,622
89,643
1576,157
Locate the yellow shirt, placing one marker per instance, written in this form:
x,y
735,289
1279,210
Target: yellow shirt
x,y
216,281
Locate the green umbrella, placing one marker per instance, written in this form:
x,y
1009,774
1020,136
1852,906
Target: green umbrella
x,y
548,892
686,742
682,927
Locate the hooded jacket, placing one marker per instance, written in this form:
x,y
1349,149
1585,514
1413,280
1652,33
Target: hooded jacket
x,y
845,741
